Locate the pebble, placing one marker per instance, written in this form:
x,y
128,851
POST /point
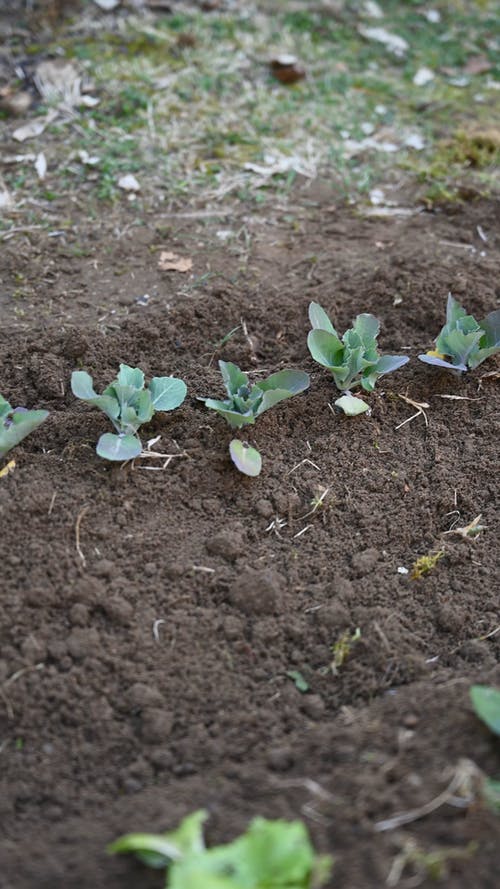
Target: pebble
x,y
141,695
257,592
104,568
79,615
119,610
280,759
156,726
313,706
365,561
233,628
227,544
82,642
264,508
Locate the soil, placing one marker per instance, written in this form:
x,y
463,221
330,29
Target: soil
x,y
150,618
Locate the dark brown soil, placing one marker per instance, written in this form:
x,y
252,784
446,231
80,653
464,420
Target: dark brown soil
x,y
107,726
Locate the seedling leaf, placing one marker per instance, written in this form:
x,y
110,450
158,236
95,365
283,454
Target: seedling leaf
x,y
16,424
319,319
486,703
292,381
351,405
167,393
118,447
130,376
325,348
245,458
428,358
233,377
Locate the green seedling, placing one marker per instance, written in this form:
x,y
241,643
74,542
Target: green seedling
x,y
246,402
486,703
341,649
464,343
269,855
16,423
353,360
128,403
425,564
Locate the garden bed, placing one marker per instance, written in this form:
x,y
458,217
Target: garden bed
x,y
150,618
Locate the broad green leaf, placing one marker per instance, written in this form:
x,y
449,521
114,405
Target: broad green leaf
x,y
481,355
234,419
293,381
5,408
270,855
491,328
491,791
245,458
130,376
351,405
319,319
458,345
154,849
232,376
486,703
83,388
367,326
272,397
440,362
22,423
454,311
188,837
129,421
160,850
82,385
144,407
325,348
118,447
167,393
387,363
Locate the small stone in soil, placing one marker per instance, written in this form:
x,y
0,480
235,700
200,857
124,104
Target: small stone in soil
x,y
257,592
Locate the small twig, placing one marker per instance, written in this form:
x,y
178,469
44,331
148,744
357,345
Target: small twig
x,y
5,236
53,500
305,460
253,356
420,411
318,501
10,681
300,533
461,781
156,625
77,533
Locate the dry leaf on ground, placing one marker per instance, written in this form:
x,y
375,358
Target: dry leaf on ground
x,y
34,127
129,183
287,69
170,262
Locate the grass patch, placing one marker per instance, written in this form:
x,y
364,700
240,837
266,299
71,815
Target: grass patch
x,y
188,100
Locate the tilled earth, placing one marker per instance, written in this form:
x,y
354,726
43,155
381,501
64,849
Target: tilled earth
x,y
150,618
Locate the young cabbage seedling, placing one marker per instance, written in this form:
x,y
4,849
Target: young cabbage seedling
x,y
128,403
464,343
274,854
248,401
353,360
16,424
